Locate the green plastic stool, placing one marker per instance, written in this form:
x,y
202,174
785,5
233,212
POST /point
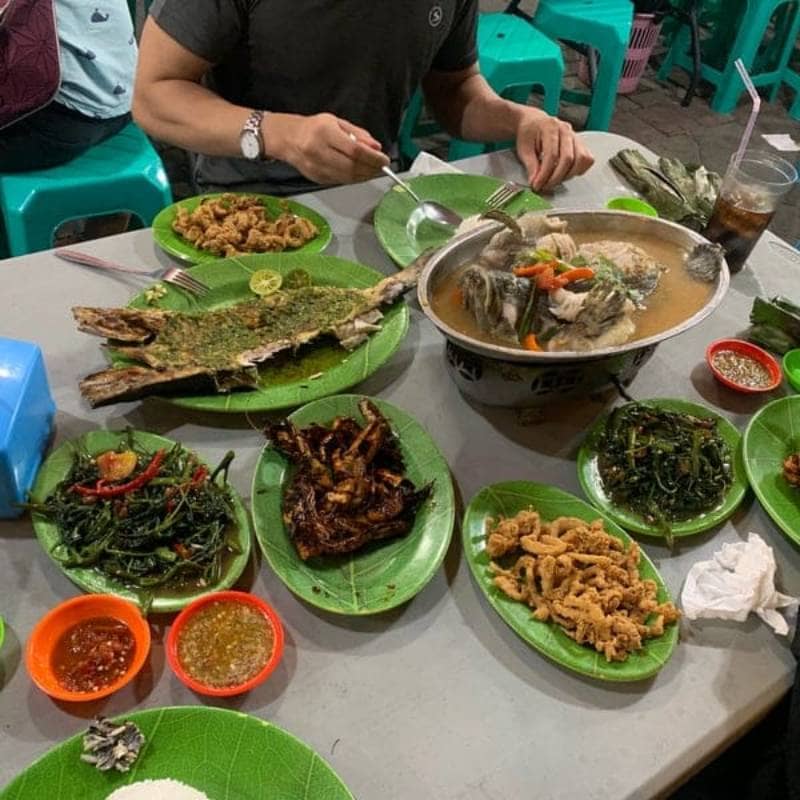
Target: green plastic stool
x,y
742,42
604,25
792,80
123,173
514,57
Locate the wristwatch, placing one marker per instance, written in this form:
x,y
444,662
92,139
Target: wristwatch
x,y
250,139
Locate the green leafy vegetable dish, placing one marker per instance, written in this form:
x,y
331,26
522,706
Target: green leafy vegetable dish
x,y
663,467
137,515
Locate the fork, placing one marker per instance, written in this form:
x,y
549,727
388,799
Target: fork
x,y
502,195
177,277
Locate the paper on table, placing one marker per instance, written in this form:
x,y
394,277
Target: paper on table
x,y
429,164
782,141
739,580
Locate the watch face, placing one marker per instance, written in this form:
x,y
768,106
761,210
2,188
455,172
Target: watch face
x,y
251,147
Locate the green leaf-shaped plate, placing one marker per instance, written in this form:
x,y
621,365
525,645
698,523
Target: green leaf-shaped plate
x,y
382,575
57,467
548,638
592,485
320,368
225,754
772,435
175,245
465,194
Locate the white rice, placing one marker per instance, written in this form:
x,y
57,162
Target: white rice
x,y
161,789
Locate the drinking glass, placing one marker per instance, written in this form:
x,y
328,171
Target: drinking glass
x,y
751,191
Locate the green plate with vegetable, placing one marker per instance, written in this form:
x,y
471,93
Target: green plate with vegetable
x,y
507,499
193,507
385,574
703,469
465,194
222,753
290,379
772,435
174,244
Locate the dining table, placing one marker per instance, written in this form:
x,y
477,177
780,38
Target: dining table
x,y
437,699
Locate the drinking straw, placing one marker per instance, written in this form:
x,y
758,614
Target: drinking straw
x,y
751,123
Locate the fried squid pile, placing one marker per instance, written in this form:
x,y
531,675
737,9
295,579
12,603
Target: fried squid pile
x,y
575,574
234,224
349,487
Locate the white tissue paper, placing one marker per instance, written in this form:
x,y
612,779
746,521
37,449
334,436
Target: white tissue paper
x,y
428,164
740,579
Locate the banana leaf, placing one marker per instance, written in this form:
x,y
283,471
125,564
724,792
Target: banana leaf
x,y
679,192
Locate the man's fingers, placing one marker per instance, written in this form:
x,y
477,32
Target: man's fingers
x,y
361,134
583,158
548,155
566,158
352,147
527,155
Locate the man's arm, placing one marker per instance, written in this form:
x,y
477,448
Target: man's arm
x,y
468,108
171,104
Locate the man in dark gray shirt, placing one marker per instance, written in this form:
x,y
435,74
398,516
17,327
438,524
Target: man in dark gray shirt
x,y
285,95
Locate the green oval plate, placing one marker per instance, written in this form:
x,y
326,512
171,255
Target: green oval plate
x,y
548,638
383,575
321,368
772,435
465,194
57,467
592,485
176,246
225,754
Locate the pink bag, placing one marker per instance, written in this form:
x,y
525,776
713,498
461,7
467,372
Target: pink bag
x,y
30,72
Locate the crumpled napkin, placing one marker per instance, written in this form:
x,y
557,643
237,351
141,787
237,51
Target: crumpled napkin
x,y
429,164
740,579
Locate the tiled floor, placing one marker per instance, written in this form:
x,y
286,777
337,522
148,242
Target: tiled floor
x,y
652,114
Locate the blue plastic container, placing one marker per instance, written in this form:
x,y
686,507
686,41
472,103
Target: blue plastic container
x,y
26,420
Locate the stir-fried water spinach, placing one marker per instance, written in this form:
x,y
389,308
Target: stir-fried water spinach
x,y
664,465
145,519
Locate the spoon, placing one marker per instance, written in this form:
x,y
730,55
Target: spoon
x,y
429,209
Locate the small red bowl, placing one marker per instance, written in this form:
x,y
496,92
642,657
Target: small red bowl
x,y
746,349
190,610
50,628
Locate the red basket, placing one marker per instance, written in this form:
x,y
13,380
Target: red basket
x,y
644,35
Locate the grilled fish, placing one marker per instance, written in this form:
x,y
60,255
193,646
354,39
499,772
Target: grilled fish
x,y
219,350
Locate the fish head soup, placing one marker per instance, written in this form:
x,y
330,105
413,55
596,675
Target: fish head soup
x,y
538,286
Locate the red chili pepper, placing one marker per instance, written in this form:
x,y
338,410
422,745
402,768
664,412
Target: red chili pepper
x,y
100,489
199,476
182,550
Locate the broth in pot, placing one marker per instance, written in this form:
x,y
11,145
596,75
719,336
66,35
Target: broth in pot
x,y
539,288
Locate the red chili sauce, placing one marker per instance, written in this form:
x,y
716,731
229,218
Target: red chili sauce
x,y
93,654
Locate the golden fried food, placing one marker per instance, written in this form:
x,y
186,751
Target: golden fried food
x,y
791,469
576,574
233,224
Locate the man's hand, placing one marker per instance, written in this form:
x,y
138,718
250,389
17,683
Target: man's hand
x,y
324,148
549,150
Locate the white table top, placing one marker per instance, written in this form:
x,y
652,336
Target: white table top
x,y
438,699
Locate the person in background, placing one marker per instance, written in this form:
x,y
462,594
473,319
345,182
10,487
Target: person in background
x,y
283,96
97,54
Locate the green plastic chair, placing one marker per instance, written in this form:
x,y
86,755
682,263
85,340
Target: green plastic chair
x,y
514,58
123,173
605,26
743,40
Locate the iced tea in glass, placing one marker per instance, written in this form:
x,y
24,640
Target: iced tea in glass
x,y
750,193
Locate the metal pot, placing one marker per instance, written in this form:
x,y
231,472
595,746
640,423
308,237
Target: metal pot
x,y
508,376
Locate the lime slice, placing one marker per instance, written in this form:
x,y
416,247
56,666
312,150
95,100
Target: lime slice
x,y
265,281
297,279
